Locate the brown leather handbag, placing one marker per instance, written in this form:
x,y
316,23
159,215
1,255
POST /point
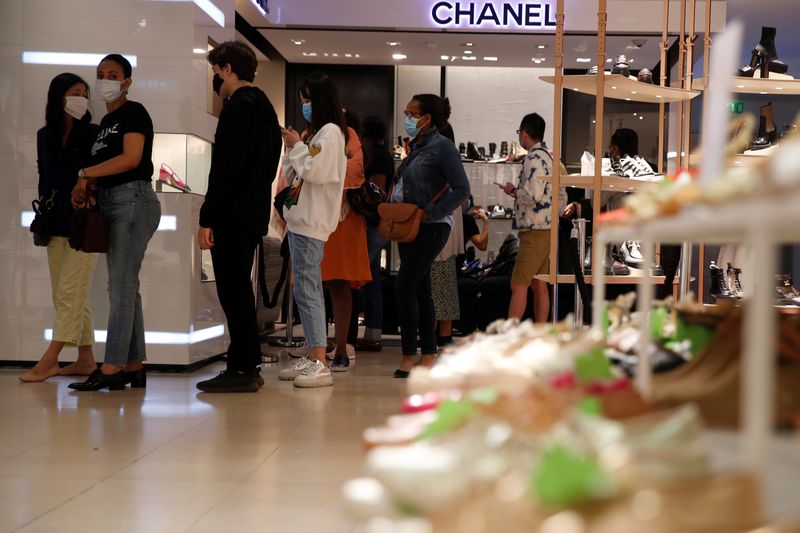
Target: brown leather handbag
x,y
89,231
399,222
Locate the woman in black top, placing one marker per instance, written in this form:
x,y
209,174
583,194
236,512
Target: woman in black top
x,y
120,179
63,146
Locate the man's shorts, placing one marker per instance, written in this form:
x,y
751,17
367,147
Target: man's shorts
x,y
533,257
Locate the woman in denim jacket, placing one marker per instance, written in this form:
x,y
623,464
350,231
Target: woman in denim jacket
x,y
433,166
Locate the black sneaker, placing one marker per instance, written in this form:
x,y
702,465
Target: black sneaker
x,y
229,381
341,363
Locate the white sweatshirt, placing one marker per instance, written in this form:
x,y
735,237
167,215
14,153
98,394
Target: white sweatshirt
x,y
321,164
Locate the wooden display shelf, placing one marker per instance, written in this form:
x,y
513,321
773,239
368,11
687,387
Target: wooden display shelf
x,y
771,86
610,183
624,88
635,278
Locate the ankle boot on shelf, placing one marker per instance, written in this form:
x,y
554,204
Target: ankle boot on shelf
x,y
719,288
767,131
765,57
621,66
472,152
786,292
504,149
645,76
612,265
492,150
733,280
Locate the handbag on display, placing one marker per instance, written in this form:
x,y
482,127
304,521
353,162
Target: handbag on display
x,y
89,231
366,199
399,222
41,226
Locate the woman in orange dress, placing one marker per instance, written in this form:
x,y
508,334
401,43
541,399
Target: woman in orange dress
x,y
345,263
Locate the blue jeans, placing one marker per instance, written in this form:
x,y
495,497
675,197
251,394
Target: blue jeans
x,y
306,257
133,213
413,287
373,293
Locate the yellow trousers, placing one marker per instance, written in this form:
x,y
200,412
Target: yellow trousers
x,y
70,275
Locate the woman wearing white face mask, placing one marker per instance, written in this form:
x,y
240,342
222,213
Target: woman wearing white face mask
x,y
120,179
63,147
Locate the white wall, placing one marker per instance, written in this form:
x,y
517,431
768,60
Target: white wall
x,y
170,81
489,102
271,78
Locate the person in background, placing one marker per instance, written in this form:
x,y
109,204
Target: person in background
x,y
433,178
345,261
444,281
121,176
379,168
532,218
63,147
235,213
316,175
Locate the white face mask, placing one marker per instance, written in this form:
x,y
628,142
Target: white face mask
x,y
109,90
76,106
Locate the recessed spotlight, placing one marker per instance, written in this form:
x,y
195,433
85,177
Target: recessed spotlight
x,y
659,96
393,43
542,46
583,59
469,58
537,60
614,87
444,58
641,118
398,57
627,99
469,44
763,92
740,86
198,51
348,55
634,92
467,52
310,54
489,58
358,55
298,42
326,54
635,114
609,60
631,60
335,54
778,88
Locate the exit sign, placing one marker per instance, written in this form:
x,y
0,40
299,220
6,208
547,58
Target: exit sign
x,y
736,107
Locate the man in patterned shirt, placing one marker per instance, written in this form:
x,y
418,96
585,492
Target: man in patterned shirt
x,y
532,219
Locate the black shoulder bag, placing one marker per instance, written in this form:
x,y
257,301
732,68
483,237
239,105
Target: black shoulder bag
x,y
42,224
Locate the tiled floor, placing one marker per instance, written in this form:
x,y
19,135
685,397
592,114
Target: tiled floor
x,y
172,459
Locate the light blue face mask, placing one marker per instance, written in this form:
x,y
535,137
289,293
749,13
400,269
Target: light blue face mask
x,y
410,123
307,111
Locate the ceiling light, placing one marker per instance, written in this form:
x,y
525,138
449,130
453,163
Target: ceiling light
x,y
634,92
358,55
778,88
627,99
635,114
537,60
659,96
199,51
335,54
641,118
310,54
763,92
609,60
399,56
348,55
211,10
68,58
326,54
614,87
740,86
469,44
444,58
469,58
542,46
467,51
584,59
393,43
489,58
298,42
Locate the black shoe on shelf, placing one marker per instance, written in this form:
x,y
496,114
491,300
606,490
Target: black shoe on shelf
x,y
719,288
587,257
621,66
230,381
767,130
645,76
341,363
765,57
784,286
97,381
137,378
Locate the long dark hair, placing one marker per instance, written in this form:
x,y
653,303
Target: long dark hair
x,y
54,120
325,105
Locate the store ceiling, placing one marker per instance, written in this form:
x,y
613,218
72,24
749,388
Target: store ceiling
x,y
427,48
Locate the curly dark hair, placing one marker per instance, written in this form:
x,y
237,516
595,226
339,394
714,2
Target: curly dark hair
x,y
238,55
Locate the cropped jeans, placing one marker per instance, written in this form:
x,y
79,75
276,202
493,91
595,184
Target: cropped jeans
x,y
133,213
306,257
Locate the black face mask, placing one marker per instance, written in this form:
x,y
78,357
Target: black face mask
x,y
216,83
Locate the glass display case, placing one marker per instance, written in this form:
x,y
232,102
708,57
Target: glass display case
x,y
181,163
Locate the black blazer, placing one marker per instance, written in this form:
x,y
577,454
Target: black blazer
x,y
59,172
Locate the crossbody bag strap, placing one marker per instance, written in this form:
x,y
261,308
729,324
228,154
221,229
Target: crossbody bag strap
x,y
440,193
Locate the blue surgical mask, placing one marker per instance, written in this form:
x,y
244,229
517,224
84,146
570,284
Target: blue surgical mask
x,y
307,111
410,123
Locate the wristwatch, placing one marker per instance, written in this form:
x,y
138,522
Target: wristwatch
x,y
81,174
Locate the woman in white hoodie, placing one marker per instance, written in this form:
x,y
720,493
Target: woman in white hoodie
x,y
315,172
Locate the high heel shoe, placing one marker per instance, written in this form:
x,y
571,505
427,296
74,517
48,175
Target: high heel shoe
x,y
765,57
168,176
767,131
98,381
137,379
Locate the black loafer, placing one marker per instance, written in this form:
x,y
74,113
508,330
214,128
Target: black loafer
x,y
401,374
137,378
229,381
97,381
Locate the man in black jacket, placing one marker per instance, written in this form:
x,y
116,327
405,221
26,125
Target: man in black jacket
x,y
235,214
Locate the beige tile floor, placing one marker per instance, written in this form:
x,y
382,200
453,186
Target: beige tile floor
x,y
172,459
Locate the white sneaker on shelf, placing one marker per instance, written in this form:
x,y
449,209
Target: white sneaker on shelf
x,y
289,374
314,375
351,353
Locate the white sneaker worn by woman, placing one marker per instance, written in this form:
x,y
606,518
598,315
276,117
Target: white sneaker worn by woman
x,y
315,374
289,374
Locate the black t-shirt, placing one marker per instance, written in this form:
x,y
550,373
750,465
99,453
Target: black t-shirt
x,y
382,163
470,227
132,117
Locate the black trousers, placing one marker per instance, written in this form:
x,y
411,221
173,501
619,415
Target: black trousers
x,y
413,287
232,256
